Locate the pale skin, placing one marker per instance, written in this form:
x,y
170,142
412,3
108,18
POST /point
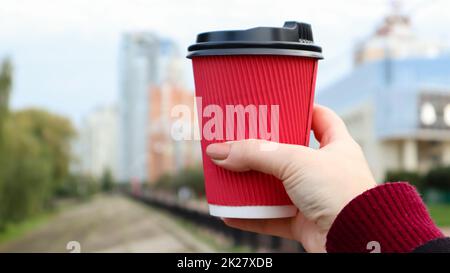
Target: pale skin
x,y
319,182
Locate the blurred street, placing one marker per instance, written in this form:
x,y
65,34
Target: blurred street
x,y
109,223
113,223
98,99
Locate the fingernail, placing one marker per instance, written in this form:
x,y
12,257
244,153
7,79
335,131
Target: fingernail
x,y
218,151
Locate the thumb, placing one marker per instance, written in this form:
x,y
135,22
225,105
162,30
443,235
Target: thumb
x,y
259,155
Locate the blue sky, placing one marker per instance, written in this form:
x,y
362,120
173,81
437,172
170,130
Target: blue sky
x,y
65,52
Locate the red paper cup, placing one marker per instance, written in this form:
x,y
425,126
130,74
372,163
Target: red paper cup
x,y
283,84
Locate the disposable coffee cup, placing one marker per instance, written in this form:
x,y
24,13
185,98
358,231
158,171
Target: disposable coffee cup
x,y
258,68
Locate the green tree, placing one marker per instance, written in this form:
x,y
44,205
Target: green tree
x,y
414,178
25,175
107,181
5,89
191,178
54,134
35,160
438,178
78,186
165,182
34,155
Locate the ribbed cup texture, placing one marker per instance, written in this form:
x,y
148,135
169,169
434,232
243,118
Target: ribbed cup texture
x,y
286,81
391,214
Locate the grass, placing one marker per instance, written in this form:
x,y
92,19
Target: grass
x,y
13,231
440,213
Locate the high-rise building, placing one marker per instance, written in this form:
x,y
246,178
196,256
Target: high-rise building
x,y
97,143
144,61
396,102
168,154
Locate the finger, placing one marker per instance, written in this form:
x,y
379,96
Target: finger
x,y
251,154
277,227
327,125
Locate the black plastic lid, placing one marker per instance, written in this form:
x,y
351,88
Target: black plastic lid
x,y
294,39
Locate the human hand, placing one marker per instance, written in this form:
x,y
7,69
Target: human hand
x,y
319,182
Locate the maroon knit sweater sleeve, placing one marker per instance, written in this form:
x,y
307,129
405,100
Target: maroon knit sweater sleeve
x,y
390,218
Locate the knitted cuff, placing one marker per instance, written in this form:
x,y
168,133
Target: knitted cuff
x,y
388,218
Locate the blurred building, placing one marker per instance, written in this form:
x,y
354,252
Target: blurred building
x,y
144,63
396,101
395,39
166,154
97,143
